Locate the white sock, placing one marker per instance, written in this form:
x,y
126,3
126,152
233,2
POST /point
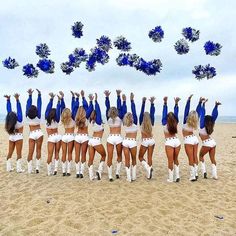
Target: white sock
x,y
118,167
37,164
128,173
171,175
91,176
133,171
30,167
49,168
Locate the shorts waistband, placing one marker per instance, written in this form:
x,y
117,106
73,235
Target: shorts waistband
x,y
96,138
37,130
78,134
170,138
18,134
131,139
189,136
115,135
69,134
206,140
53,134
145,139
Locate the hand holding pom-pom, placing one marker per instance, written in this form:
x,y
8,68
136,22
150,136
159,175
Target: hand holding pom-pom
x,y
212,49
156,34
10,63
30,71
77,29
191,34
181,47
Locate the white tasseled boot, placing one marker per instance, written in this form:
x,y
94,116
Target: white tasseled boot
x,y
118,168
192,174
196,171
145,166
171,176
82,169
91,176
30,167
19,167
37,165
100,169
77,167
176,173
9,165
133,173
128,173
56,162
214,171
49,168
203,168
109,169
63,165
68,168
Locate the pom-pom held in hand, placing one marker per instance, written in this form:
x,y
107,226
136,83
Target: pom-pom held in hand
x,y
199,72
30,71
104,43
210,71
10,63
212,49
156,34
181,47
46,65
77,29
191,34
42,50
122,44
67,68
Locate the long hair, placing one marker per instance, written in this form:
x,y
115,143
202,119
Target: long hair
x,y
147,124
192,120
172,123
209,124
66,116
32,112
10,122
80,117
128,119
51,116
113,113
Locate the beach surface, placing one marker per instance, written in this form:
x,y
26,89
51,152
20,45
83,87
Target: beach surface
x,y
38,204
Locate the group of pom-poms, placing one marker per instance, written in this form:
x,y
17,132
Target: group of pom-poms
x,y
201,72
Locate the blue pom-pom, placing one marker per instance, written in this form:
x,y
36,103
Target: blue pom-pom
x,y
46,65
10,63
91,63
42,50
77,29
156,34
104,43
149,68
210,71
122,44
79,55
100,55
191,34
212,49
67,68
199,72
30,71
181,46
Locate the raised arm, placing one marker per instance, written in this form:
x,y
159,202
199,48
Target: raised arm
x,y
118,103
39,104
18,108
215,111
84,102
176,108
72,100
58,108
202,115
187,108
164,111
123,107
152,110
8,106
90,107
142,110
107,102
75,108
98,119
49,106
198,108
29,101
133,109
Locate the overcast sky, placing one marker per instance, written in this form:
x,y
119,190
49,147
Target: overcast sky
x,y
25,24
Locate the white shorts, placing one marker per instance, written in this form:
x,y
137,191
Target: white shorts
x,y
94,141
114,139
147,142
209,143
68,137
54,138
129,142
36,134
173,142
16,137
191,139
81,138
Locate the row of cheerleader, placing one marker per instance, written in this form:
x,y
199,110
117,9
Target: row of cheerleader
x,y
77,118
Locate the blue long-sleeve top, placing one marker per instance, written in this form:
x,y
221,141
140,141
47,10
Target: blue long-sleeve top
x,y
85,104
98,119
18,109
214,115
63,105
39,105
152,113
165,112
133,109
187,108
49,108
89,109
107,104
74,107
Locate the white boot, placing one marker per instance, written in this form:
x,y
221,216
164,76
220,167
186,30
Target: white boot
x,y
133,173
100,169
82,169
176,173
56,162
77,167
9,166
128,173
30,167
37,165
192,174
19,167
171,176
203,168
91,176
68,168
118,167
49,168
109,169
63,165
196,171
145,166
214,171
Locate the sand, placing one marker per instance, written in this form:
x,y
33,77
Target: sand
x,y
41,205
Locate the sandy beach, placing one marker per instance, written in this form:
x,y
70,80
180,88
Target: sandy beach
x,y
56,205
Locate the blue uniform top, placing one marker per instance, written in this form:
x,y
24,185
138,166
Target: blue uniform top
x,y
18,108
165,112
214,115
133,109
39,105
98,119
187,108
152,113
49,108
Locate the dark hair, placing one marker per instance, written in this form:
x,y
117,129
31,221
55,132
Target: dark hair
x,y
209,124
10,122
172,123
32,112
92,117
51,116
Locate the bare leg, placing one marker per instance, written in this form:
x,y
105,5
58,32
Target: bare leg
x,y
176,162
90,162
64,152
119,159
101,150
30,154
204,150
19,145
11,148
127,163
150,154
77,152
133,152
83,157
170,157
70,150
142,151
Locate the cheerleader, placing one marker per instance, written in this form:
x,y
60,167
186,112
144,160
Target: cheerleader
x,y
14,127
67,119
52,116
146,121
81,137
207,124
95,144
33,114
129,143
172,145
114,119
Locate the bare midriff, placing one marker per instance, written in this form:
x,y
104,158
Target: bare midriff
x,y
167,135
69,130
19,131
145,135
82,130
115,130
186,133
131,135
34,127
52,131
204,137
98,134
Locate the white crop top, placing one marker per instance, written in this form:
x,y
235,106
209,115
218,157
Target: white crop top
x,y
33,122
18,125
116,123
203,131
70,125
187,128
97,128
131,129
54,125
